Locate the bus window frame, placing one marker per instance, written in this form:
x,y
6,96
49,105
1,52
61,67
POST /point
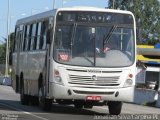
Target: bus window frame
x,y
15,40
39,25
43,41
25,37
29,37
33,35
22,36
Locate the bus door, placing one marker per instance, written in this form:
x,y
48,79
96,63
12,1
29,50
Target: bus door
x,y
49,39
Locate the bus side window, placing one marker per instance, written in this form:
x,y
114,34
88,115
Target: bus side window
x,y
33,36
16,38
20,40
44,33
38,35
49,34
25,38
29,37
21,37
41,36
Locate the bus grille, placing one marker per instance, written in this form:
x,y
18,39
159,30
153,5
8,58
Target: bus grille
x,y
88,80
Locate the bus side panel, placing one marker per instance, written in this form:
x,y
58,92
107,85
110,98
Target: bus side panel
x,y
14,64
35,66
23,69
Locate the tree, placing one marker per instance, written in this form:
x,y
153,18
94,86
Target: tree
x,y
2,53
3,48
147,14
12,35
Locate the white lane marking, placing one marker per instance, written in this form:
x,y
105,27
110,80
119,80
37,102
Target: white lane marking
x,y
24,111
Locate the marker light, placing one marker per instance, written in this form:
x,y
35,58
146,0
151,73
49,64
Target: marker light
x,y
130,75
56,73
129,81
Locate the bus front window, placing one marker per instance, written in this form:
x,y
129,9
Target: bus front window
x,y
117,46
63,37
98,46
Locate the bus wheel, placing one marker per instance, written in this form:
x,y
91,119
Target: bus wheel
x,y
114,107
44,103
78,104
34,100
24,98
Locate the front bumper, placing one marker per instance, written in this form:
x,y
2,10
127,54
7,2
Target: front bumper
x,y
76,93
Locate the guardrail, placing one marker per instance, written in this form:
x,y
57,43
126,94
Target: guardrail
x,y
146,97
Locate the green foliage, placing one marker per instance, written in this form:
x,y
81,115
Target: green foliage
x,y
2,53
11,40
147,14
3,49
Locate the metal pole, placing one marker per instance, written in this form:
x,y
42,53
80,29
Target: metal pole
x,y
9,39
113,3
54,1
8,17
159,82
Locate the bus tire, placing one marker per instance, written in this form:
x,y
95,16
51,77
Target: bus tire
x,y
24,98
114,107
44,103
78,104
34,100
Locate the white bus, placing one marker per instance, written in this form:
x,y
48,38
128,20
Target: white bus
x,y
83,56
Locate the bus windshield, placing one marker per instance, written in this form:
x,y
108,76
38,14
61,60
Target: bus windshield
x,y
94,45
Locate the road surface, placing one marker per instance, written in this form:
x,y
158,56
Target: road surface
x,y
11,109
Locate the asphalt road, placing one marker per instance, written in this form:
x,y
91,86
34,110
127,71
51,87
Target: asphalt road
x,y
11,109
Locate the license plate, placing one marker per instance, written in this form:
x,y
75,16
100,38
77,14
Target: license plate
x,y
95,98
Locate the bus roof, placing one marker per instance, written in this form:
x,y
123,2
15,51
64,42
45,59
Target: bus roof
x,y
76,8
36,17
84,8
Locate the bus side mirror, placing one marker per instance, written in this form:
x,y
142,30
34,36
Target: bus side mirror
x,y
49,35
141,65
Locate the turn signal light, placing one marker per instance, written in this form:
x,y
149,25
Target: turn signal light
x,y
130,75
56,73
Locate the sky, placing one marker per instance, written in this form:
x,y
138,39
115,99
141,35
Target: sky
x,y
23,8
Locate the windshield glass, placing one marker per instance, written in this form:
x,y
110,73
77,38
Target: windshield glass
x,y
99,39
100,46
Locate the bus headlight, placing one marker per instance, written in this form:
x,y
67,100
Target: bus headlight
x,y
57,77
128,82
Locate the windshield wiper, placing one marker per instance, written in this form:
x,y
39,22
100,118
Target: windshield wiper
x,y
73,33
107,38
88,59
